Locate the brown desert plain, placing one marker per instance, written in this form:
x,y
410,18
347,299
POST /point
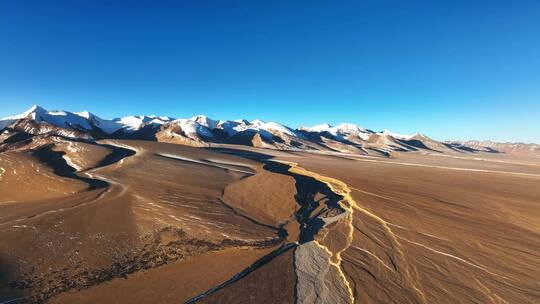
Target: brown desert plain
x,y
133,221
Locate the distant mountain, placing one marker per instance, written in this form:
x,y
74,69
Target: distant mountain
x,y
203,131
496,147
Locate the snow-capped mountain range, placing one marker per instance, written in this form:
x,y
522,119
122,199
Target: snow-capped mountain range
x,y
202,131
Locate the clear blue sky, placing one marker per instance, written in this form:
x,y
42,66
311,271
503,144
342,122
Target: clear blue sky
x,y
450,69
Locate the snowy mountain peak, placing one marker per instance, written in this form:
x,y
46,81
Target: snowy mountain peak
x,y
341,131
274,126
205,121
192,128
200,116
33,112
85,114
133,122
35,109
349,127
242,121
319,128
418,135
257,122
396,135
59,118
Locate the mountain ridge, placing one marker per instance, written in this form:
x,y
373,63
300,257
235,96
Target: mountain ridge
x,y
200,130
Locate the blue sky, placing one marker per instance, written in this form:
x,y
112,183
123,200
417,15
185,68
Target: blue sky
x,y
449,69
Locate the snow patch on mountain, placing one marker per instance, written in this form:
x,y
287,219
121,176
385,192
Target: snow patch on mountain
x,y
205,121
192,128
318,128
58,118
136,122
32,113
396,135
341,131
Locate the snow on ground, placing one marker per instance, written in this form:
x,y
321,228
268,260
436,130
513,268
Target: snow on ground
x,y
224,162
207,163
73,149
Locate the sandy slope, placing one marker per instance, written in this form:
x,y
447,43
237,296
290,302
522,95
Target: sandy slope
x,y
153,210
24,178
